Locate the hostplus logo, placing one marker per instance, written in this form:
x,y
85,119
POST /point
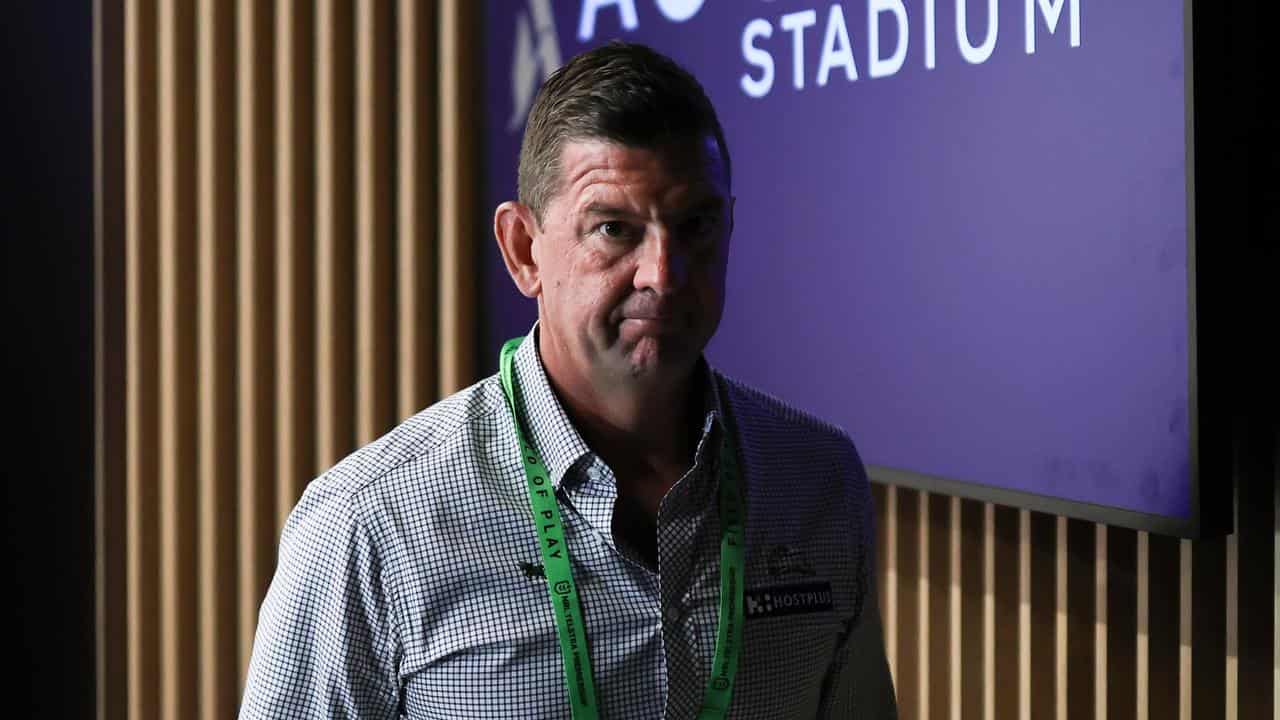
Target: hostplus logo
x,y
789,600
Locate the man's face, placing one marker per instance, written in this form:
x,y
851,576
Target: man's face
x,y
631,256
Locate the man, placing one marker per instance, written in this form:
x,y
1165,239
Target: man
x,y
609,528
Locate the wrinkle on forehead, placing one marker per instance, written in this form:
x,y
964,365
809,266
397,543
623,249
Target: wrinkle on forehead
x,y
677,167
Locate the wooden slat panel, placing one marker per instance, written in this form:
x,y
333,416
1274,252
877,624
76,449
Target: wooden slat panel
x,y
1122,623
375,326
255,301
1007,611
1043,621
937,617
1162,626
458,181
972,671
1256,590
335,407
142,321
416,207
1077,688
295,242
178,378
910,595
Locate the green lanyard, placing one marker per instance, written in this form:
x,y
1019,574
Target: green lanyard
x,y
564,593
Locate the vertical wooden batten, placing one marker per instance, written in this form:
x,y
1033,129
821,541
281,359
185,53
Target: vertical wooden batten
x,y
1100,622
989,678
1256,605
1207,644
178,380
216,358
334,333
923,600
889,522
1164,604
911,594
110,360
970,629
142,530
255,304
1007,611
1060,619
295,329
937,608
374,322
416,284
1121,623
1024,615
1078,686
458,194
1042,627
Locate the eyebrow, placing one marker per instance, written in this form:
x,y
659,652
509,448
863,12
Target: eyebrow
x,y
711,202
597,208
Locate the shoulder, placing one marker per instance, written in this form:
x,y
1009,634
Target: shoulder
x,y
794,459
763,419
424,447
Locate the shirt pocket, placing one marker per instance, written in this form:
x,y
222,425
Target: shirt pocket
x,y
783,665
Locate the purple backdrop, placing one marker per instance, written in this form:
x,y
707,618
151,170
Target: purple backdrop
x,y
978,269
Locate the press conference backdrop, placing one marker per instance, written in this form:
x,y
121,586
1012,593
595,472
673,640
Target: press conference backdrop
x,y
962,231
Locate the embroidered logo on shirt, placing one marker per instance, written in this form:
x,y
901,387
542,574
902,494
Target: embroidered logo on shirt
x,y
533,571
782,560
788,600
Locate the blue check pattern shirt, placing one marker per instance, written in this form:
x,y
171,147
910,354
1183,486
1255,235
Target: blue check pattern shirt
x,y
409,580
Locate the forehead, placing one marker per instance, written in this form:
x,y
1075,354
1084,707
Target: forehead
x,y
593,166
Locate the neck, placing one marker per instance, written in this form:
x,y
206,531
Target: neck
x,y
636,428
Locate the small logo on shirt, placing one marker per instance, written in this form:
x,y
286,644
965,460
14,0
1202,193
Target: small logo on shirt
x,y
782,560
788,600
531,570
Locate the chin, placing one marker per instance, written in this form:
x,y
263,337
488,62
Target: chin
x,y
660,358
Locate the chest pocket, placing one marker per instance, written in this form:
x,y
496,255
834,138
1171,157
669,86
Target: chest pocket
x,y
784,662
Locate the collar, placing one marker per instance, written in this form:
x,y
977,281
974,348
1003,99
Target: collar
x,y
555,437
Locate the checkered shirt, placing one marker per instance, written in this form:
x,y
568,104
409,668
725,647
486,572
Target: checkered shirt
x,y
409,577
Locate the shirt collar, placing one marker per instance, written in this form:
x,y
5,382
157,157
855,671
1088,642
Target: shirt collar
x,y
544,419
549,427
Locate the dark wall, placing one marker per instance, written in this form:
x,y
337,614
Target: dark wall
x,y
46,229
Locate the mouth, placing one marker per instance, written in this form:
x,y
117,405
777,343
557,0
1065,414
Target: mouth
x,y
652,324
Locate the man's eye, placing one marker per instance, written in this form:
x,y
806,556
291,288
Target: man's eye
x,y
613,229
700,225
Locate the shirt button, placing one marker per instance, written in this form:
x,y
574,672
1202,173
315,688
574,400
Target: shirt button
x,y
672,614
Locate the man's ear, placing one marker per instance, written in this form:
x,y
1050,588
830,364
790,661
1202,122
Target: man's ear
x,y
514,227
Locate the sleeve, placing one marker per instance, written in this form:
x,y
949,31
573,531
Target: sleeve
x,y
858,683
327,644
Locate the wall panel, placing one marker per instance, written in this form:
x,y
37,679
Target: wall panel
x,y
283,220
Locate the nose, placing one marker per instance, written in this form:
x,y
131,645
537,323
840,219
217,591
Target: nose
x,y
662,266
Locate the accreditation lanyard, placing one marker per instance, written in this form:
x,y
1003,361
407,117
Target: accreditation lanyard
x,y
564,593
